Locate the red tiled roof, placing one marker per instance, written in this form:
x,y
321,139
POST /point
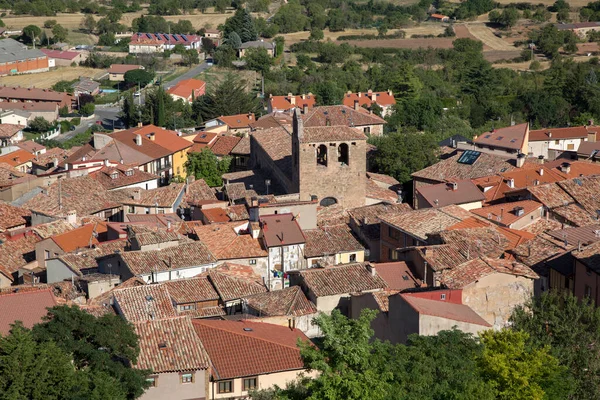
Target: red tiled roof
x,y
205,137
191,290
237,121
122,68
341,279
397,275
167,139
18,250
80,237
290,301
242,348
224,145
367,218
444,309
505,214
34,94
170,345
144,303
215,215
11,216
198,192
9,130
367,98
473,270
16,158
340,116
281,230
444,194
450,168
230,241
231,287
62,55
284,103
548,134
115,177
28,307
329,241
164,196
511,137
186,87
329,133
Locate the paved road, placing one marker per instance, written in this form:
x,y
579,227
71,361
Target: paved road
x,y
192,73
107,115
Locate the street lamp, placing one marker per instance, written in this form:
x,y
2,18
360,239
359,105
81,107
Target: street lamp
x,y
267,183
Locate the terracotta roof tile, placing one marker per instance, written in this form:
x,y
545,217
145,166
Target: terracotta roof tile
x,y
191,290
34,95
375,191
82,237
18,250
589,256
186,87
281,230
397,275
574,215
242,147
368,217
50,229
505,213
340,116
198,192
9,130
144,303
421,223
450,168
230,286
329,241
238,121
454,192
86,260
511,137
114,177
340,279
277,143
16,158
171,258
11,216
84,195
330,133
549,134
286,103
290,301
105,299
28,307
164,196
224,145
273,120
230,241
386,179
550,195
243,348
384,99
170,345
473,270
585,191
122,68
444,309
581,235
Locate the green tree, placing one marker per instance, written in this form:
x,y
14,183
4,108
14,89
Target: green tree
x,y
49,23
105,346
129,112
63,86
519,373
563,16
290,17
316,34
39,125
258,60
191,57
571,329
140,77
205,165
32,370
87,109
59,33
31,33
88,23
234,40
227,98
329,93
221,6
401,154
382,30
242,24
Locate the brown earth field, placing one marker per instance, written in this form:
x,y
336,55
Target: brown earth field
x,y
45,80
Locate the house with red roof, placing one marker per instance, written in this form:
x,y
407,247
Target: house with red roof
x,y
239,123
550,143
59,58
20,159
504,142
288,103
439,18
247,356
29,307
385,100
187,90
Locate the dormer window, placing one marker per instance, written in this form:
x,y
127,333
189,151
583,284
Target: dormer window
x,y
114,175
129,172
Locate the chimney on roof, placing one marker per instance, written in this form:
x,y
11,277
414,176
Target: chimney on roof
x,y
390,93
565,167
591,137
356,105
371,268
510,182
303,97
152,136
55,162
590,122
370,92
305,108
519,211
520,160
106,162
72,217
250,117
292,99
137,193
359,94
140,124
138,139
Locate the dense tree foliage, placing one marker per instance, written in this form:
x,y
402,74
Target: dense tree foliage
x,y
451,365
140,77
570,328
227,98
73,355
205,165
242,24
